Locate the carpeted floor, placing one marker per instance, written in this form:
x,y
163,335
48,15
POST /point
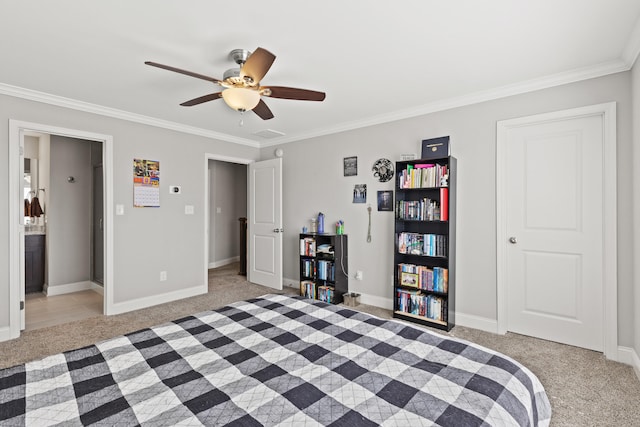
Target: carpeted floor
x,y
584,388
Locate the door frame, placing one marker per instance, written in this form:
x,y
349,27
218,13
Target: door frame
x,y
207,202
17,128
607,111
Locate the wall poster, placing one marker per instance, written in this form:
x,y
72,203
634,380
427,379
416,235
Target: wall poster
x,y
146,183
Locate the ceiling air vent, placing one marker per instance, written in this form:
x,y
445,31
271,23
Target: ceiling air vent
x,y
269,133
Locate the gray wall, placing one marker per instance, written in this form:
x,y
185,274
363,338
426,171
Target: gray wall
x,y
313,181
228,192
69,212
146,240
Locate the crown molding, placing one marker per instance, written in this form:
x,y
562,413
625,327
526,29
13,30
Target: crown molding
x,y
559,79
32,95
631,52
632,48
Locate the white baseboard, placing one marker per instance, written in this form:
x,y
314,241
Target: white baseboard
x,y
5,334
67,288
290,283
477,322
628,355
97,288
224,262
137,304
376,301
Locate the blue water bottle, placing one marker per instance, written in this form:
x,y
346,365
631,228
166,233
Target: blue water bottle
x,y
320,223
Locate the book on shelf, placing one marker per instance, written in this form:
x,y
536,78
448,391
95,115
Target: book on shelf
x,y
426,175
308,246
444,203
418,304
433,279
308,289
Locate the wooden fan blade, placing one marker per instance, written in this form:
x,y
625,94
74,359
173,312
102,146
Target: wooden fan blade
x,y
257,65
293,93
263,111
201,99
178,70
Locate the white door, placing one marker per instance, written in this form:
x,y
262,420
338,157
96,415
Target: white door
x,y
265,223
553,238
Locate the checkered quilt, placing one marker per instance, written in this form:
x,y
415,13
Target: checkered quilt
x,y
275,360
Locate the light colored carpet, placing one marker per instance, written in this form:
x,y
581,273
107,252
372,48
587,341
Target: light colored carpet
x,y
584,388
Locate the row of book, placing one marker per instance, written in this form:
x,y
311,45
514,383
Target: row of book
x,y
416,303
326,294
308,246
308,289
326,270
425,209
424,175
434,279
307,268
435,245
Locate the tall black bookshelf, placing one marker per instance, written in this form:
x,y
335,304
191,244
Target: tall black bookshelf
x,y
425,237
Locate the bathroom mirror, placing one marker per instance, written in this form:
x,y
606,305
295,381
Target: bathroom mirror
x,y
30,181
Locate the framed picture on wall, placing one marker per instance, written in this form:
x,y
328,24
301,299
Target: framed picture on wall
x,y
350,165
385,200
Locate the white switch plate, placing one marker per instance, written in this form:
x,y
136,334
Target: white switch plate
x,y
119,209
163,276
188,209
218,210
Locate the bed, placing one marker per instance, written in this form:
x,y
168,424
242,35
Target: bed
x,y
275,360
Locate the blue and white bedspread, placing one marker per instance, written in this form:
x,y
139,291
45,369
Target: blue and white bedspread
x,y
275,360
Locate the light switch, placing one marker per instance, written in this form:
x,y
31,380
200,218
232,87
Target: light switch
x,y
119,209
188,209
218,210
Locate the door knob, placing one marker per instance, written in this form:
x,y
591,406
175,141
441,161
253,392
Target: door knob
x,y
513,240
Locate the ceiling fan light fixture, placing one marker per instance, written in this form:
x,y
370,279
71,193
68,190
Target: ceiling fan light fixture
x,y
241,99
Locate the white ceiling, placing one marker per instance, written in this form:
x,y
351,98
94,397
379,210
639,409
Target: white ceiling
x,y
377,61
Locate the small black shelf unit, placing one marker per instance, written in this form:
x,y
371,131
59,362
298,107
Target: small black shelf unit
x,y
324,273
425,236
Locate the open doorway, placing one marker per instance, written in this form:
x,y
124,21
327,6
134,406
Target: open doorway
x,y
78,255
69,231
227,207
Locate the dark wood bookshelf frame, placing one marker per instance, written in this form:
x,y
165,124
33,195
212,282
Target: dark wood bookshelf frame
x,y
340,259
438,227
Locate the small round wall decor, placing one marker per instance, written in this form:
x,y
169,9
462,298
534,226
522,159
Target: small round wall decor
x,y
383,170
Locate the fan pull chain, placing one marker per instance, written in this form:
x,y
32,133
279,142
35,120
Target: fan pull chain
x,y
241,122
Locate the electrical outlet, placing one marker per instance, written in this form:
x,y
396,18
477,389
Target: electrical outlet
x,y
163,276
359,275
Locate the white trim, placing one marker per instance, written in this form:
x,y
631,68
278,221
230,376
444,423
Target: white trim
x,y
224,262
632,49
67,288
628,356
73,104
477,322
6,334
610,256
376,301
560,79
97,288
207,201
572,76
150,301
15,200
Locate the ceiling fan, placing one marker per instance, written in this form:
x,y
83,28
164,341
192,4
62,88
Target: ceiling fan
x,y
242,90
